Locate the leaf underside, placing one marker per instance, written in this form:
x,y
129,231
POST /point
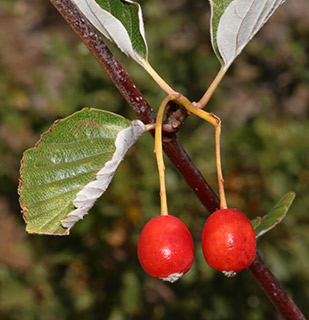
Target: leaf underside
x,y
261,225
235,22
65,159
128,14
121,22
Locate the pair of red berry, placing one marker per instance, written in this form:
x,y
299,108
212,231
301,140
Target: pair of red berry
x,y
166,251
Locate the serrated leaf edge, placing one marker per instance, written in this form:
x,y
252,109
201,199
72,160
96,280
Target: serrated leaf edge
x,y
20,183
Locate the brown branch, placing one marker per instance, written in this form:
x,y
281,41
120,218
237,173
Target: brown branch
x,y
274,290
172,147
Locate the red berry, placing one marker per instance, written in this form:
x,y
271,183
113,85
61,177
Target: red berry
x,y
165,248
228,241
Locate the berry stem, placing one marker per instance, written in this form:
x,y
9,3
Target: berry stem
x,y
211,89
159,153
216,122
223,204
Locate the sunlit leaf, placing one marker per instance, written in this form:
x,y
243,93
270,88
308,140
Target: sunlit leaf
x,y
71,166
275,216
235,22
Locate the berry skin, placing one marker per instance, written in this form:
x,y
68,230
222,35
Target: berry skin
x,y
165,248
228,241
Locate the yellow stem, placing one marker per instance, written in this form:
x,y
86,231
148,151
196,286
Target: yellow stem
x,y
159,80
159,153
150,126
211,89
216,122
223,204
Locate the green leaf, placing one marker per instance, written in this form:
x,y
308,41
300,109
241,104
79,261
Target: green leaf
x,y
275,216
217,9
71,166
121,22
235,22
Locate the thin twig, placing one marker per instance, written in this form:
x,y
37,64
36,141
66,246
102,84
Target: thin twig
x,y
172,148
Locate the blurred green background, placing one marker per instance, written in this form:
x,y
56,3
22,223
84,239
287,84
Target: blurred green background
x,y
46,73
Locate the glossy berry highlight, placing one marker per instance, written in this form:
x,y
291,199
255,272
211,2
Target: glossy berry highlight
x,y
228,241
165,248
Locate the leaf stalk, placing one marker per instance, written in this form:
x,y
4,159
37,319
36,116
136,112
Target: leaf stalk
x,y
211,89
164,86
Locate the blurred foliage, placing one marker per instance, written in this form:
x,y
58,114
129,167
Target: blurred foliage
x,y
46,73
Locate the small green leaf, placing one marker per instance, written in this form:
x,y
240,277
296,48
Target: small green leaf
x,y
71,166
235,22
121,22
275,216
